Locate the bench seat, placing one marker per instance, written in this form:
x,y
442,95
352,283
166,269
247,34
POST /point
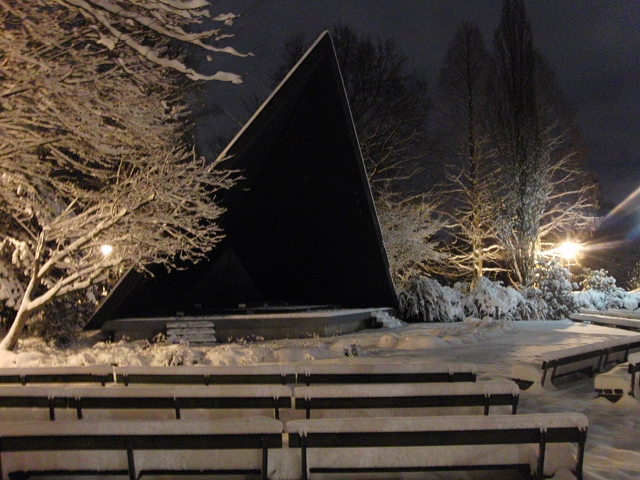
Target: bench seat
x,y
119,442
411,395
502,431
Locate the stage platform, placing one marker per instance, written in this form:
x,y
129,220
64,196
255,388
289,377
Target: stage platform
x,y
267,324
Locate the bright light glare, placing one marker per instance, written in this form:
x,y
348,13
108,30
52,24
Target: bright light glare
x,y
569,250
106,249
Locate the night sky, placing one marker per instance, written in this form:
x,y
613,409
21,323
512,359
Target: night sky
x,y
592,45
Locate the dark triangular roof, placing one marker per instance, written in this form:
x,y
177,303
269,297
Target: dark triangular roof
x,y
300,229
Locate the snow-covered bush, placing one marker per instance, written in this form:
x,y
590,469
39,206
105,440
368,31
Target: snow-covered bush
x,y
494,300
599,292
173,355
634,277
425,300
59,321
553,282
598,280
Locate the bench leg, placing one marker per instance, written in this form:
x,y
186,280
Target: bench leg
x,y
276,408
303,459
130,462
79,408
176,405
265,458
580,459
52,413
541,453
545,367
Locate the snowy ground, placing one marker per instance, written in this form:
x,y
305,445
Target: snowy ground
x,y
613,446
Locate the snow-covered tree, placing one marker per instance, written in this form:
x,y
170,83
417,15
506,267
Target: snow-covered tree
x,y
542,189
462,102
92,145
409,228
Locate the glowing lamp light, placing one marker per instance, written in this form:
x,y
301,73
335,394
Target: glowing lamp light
x,y
569,250
106,249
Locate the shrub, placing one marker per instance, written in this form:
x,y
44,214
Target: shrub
x,y
59,321
599,292
634,277
424,299
553,281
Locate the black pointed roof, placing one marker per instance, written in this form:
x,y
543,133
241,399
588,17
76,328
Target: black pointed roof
x,y
300,229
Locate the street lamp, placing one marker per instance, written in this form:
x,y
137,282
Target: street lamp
x,y
106,249
569,250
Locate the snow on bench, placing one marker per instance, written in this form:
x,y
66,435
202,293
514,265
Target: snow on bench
x,y
587,359
143,397
207,375
125,439
472,435
408,395
615,383
385,373
102,374
629,321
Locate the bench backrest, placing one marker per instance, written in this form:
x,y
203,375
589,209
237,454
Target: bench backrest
x,y
385,373
101,374
163,397
411,395
254,374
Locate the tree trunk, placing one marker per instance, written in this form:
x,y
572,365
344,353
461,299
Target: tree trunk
x,y
11,339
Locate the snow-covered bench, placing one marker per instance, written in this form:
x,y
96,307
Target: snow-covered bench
x,y
385,373
205,375
102,374
144,397
611,318
409,395
620,380
588,359
466,442
126,440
